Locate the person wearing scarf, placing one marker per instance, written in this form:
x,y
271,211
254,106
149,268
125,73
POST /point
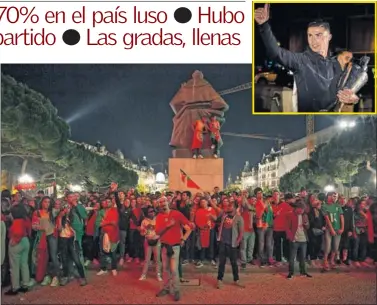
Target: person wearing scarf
x,y
230,235
110,237
204,223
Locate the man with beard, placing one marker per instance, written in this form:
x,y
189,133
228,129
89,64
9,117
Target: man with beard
x,y
316,75
229,238
169,224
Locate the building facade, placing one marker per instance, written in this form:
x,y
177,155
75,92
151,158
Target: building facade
x,y
268,170
293,153
249,176
276,164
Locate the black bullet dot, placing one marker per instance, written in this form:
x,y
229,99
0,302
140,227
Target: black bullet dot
x,y
71,37
182,15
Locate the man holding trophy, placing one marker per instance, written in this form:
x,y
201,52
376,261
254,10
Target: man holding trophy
x,y
321,83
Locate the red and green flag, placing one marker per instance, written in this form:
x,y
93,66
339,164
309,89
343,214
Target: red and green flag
x,y
189,182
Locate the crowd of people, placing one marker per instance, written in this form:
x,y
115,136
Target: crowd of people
x,y
51,241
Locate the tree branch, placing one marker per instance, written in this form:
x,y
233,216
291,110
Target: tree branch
x,y
20,155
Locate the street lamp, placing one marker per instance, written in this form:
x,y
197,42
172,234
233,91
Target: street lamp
x,y
76,188
160,178
329,188
344,124
25,179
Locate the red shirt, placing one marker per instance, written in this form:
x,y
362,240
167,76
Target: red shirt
x,y
137,213
247,221
111,229
173,235
259,210
281,211
19,229
202,218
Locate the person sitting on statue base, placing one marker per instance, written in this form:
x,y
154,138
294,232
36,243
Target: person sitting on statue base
x,y
200,127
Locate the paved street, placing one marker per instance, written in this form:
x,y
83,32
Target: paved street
x,y
268,286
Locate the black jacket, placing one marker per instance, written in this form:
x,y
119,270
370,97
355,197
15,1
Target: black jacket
x,y
348,219
124,214
316,77
316,222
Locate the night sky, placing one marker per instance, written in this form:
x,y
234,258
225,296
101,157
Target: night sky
x,y
127,107
285,17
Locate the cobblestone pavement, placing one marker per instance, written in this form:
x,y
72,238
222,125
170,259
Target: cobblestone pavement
x,y
346,285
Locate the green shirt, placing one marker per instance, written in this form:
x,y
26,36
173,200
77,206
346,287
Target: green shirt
x,y
79,217
333,211
100,215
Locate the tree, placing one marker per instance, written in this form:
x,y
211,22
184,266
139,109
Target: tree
x,y
232,188
336,162
30,125
33,132
142,188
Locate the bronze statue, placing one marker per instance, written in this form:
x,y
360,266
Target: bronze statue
x,y
195,100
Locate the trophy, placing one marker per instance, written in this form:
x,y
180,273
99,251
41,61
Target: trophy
x,y
354,78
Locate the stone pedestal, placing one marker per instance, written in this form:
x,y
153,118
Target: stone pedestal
x,y
187,153
207,173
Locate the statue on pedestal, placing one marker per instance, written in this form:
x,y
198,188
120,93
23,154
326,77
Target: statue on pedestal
x,y
199,113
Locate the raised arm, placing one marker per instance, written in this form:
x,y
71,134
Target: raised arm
x,y
284,57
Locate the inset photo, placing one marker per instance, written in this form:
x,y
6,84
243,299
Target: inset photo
x,y
314,58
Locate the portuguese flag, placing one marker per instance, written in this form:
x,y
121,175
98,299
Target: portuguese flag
x,y
189,182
